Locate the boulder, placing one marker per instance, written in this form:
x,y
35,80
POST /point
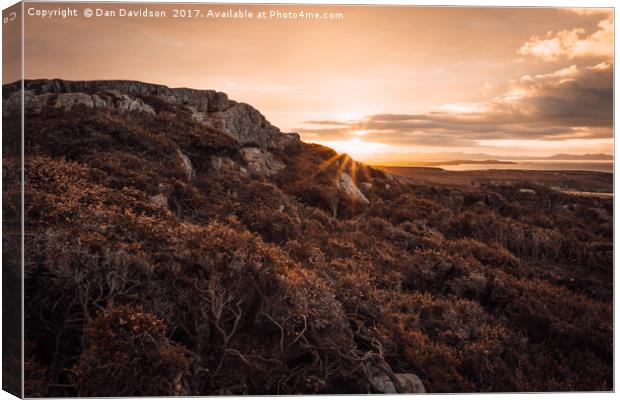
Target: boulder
x,y
410,383
261,162
187,165
346,186
160,200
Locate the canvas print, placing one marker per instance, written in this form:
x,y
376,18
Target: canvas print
x,y
232,199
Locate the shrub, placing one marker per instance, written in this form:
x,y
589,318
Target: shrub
x,y
128,354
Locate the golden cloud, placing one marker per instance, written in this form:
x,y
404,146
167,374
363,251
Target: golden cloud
x,y
574,43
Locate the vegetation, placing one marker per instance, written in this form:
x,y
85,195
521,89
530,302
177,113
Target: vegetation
x,y
246,285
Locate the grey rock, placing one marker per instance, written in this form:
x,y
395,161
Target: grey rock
x,y
126,103
187,165
160,200
288,142
261,162
227,165
249,127
35,102
203,100
347,187
69,100
411,383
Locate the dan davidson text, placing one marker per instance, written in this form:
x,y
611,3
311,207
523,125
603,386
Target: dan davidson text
x,y
123,12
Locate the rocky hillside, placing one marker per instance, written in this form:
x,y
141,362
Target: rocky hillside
x,y
179,244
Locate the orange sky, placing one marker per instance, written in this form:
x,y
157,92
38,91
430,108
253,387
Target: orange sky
x,y
381,81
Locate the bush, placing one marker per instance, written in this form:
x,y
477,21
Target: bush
x,y
128,354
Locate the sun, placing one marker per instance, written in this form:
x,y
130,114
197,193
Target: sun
x,y
357,148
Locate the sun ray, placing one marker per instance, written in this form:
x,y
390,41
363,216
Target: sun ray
x,y
326,164
343,165
354,171
365,171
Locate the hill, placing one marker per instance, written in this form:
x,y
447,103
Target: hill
x,y
599,156
179,244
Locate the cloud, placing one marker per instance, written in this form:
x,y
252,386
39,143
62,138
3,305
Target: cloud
x,y
568,97
573,102
574,43
590,11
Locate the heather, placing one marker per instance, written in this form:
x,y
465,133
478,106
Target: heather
x,y
144,277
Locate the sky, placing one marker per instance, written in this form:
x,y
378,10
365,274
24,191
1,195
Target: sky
x,y
381,83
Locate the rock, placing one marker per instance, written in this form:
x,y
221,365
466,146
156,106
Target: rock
x,y
411,383
225,164
160,200
383,384
261,162
112,100
69,100
347,186
187,165
249,127
288,142
239,120
203,100
367,185
126,103
527,191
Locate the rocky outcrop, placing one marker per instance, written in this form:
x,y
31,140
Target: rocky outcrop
x,y
238,120
34,103
249,126
244,124
203,100
346,186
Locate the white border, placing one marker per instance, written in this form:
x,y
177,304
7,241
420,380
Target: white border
x,y
485,3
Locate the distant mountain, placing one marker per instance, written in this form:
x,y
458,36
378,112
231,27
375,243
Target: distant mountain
x,y
562,156
452,158
459,162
